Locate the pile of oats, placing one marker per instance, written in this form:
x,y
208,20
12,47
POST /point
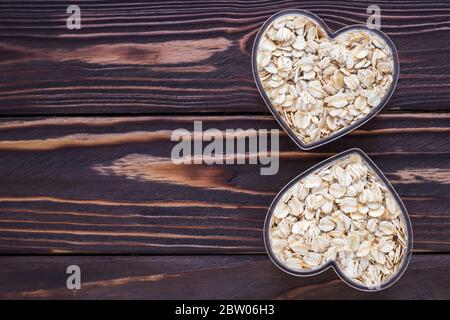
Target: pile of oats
x,y
320,86
341,212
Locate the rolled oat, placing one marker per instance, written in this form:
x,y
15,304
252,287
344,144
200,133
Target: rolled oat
x,y
342,212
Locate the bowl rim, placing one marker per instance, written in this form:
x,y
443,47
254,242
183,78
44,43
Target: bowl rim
x,y
332,264
331,35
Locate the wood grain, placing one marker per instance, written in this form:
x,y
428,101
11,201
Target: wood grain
x,y
171,57
203,277
85,168
107,185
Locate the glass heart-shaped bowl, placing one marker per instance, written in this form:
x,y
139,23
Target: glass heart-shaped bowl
x,y
331,36
324,265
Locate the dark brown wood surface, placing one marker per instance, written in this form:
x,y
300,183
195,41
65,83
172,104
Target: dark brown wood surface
x,y
181,57
96,185
85,171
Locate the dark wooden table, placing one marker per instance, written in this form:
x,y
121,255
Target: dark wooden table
x,y
85,171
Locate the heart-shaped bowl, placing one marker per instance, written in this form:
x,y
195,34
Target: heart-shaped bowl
x,y
290,230
322,27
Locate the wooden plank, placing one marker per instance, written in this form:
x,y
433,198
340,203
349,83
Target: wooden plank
x,y
203,277
169,57
107,185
